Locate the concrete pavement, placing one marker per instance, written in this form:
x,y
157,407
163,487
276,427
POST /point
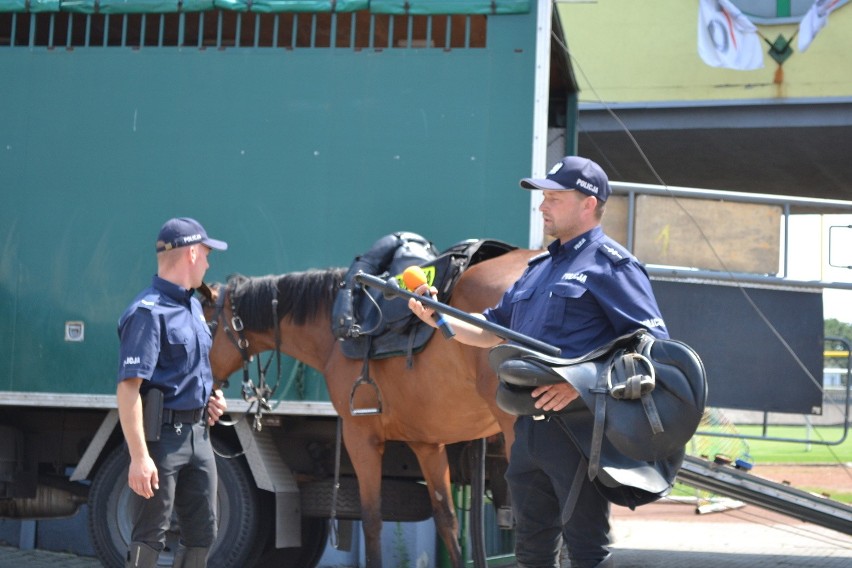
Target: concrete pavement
x,y
666,534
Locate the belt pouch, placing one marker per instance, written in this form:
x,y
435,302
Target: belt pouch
x,y
152,414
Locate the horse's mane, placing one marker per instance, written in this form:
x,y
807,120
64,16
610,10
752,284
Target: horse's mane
x,y
301,295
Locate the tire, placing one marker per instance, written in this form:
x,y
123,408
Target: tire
x,y
240,515
314,540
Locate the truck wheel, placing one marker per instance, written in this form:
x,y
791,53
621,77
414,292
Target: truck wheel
x,y
314,537
240,514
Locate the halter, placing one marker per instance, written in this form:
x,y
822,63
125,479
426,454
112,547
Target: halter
x,y
235,331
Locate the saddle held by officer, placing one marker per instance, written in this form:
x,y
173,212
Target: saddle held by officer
x,y
641,400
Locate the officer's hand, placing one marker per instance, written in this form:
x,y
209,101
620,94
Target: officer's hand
x,y
143,478
554,397
419,309
216,407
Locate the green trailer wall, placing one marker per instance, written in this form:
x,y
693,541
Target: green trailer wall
x,y
299,158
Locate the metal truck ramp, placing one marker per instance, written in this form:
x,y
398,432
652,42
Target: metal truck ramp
x,y
731,482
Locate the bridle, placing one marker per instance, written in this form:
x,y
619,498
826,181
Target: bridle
x,y
234,329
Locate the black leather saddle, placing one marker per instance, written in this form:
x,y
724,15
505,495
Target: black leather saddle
x,y
372,326
641,400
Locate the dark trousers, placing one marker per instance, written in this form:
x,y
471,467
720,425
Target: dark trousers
x,y
187,471
541,471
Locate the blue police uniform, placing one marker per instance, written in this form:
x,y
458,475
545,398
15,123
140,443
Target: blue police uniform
x,y
165,341
577,296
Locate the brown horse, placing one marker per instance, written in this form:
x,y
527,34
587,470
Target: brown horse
x,y
446,396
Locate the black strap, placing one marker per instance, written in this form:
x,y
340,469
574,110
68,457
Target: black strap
x,y
602,392
171,416
574,492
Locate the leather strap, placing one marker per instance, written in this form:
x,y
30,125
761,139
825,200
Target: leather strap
x,y
182,416
602,392
574,492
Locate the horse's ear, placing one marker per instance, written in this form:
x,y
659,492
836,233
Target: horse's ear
x,y
210,294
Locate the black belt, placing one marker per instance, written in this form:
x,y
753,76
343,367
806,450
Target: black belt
x,y
182,416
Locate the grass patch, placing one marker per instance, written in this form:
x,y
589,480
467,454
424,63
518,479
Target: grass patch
x,y
774,452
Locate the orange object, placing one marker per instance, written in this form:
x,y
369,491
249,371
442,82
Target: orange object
x,y
413,277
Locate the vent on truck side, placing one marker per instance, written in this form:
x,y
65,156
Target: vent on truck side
x,y
223,29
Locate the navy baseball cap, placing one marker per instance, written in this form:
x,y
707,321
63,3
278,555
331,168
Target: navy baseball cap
x,y
573,173
182,232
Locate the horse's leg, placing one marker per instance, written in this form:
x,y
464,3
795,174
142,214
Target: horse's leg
x,y
436,471
366,448
486,387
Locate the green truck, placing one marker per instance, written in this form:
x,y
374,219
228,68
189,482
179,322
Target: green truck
x,y
300,131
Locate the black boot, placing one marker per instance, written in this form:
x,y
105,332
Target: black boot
x,y
140,555
191,557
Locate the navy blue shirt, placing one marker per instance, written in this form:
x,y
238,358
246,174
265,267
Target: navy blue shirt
x,y
165,341
580,295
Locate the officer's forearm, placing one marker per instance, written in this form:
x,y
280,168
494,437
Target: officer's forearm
x,y
130,416
470,334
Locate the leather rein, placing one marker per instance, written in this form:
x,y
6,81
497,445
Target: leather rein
x,y
235,331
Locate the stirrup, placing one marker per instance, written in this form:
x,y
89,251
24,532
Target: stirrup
x,y
367,411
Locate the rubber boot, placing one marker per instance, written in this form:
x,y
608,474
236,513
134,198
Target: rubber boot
x,y
191,557
140,555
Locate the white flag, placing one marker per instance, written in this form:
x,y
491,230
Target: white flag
x,y
726,38
814,20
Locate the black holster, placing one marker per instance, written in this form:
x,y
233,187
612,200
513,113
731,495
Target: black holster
x,y
152,414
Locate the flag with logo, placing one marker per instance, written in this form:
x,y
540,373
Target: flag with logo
x,y
726,37
814,20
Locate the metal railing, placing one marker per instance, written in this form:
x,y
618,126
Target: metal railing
x,y
790,206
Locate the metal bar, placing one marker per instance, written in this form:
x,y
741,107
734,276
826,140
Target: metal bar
x,y
32,30
275,23
256,43
786,261
389,290
219,25
200,38
50,32
686,274
631,221
749,488
624,188
161,37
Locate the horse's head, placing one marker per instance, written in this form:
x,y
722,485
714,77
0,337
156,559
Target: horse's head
x,y
230,346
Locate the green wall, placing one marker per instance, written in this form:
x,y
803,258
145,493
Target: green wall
x,y
298,158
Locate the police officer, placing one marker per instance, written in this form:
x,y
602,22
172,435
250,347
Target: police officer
x,y
165,345
585,291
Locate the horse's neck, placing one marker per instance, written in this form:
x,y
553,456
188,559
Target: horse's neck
x,y
311,343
